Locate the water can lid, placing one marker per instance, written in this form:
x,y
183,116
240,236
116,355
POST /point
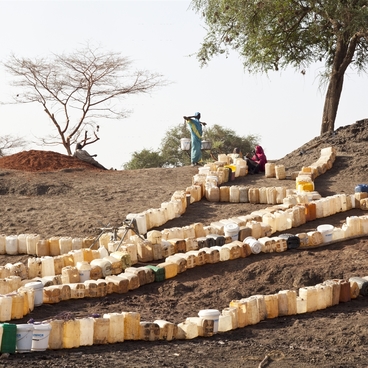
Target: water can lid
x,y
209,313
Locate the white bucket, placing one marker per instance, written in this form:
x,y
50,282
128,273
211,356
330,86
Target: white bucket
x,y
37,286
185,144
326,231
211,314
206,145
254,244
84,269
40,337
24,338
232,230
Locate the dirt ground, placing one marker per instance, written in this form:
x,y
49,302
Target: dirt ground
x,y
54,195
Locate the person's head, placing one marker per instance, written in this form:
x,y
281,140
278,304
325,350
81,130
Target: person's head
x,y
197,115
236,150
79,146
259,150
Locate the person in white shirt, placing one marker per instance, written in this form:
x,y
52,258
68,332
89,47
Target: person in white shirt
x,y
83,155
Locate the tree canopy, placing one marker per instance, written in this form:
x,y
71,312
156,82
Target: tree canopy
x,y
275,34
79,90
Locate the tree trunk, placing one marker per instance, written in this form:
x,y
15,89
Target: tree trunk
x,y
332,100
345,48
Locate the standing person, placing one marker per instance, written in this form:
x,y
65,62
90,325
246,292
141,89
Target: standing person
x,y
196,137
257,162
85,156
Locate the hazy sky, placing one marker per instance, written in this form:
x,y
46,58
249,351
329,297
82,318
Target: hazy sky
x,y
284,109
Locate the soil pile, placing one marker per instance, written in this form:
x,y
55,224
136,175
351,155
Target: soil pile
x,y
69,200
35,160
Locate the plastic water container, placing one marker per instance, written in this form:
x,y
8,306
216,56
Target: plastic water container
x,y
40,336
240,306
309,294
168,330
5,307
43,248
22,244
84,269
131,325
272,305
187,330
280,172
65,244
234,194
56,334
270,170
233,313
304,184
28,299
9,337
37,286
326,231
71,334
223,158
361,188
86,331
232,230
31,241
3,244
47,266
185,144
224,193
101,331
254,244
116,328
11,245
24,338
290,300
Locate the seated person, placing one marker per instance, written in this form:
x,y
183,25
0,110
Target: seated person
x,y
257,162
85,156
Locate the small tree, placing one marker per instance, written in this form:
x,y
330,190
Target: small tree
x,y
78,90
144,159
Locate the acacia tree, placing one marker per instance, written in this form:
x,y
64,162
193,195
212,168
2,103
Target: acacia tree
x,y
273,34
77,91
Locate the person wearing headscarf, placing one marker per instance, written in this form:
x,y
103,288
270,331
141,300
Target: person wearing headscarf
x,y
196,137
257,162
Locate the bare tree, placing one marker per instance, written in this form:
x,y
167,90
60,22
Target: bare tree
x,y
78,90
9,143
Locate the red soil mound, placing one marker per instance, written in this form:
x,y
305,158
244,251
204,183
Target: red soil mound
x,y
42,161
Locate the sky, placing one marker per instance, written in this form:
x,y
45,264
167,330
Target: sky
x,y
283,108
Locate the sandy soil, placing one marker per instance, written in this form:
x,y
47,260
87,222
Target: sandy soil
x,y
54,195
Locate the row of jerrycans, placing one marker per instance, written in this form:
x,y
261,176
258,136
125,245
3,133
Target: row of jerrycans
x,y
108,329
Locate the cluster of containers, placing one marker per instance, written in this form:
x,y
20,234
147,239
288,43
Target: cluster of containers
x,y
64,268
118,327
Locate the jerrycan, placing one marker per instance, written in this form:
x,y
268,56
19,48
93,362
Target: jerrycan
x,y
9,338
